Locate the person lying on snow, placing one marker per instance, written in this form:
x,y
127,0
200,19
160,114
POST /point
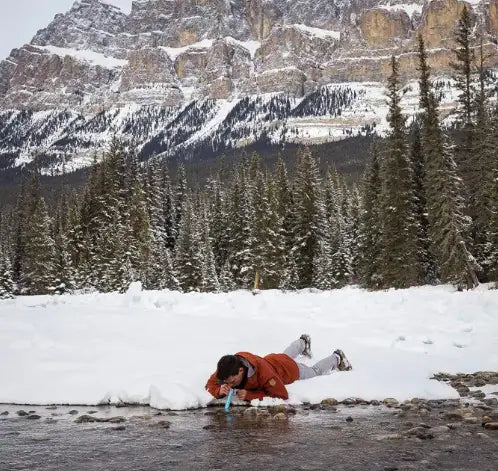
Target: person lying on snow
x,y
255,377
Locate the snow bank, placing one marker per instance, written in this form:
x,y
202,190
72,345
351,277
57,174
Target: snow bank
x,y
159,347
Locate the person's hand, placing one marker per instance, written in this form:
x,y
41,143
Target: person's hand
x,y
224,389
241,394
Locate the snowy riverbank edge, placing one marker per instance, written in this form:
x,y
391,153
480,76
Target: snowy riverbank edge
x,y
159,347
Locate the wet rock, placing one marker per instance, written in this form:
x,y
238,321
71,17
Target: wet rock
x,y
482,435
170,413
209,427
350,401
349,419
51,407
390,402
251,412
471,420
86,419
119,428
263,414
491,425
375,403
116,420
161,424
92,412
22,413
453,415
31,412
478,394
491,401
210,413
160,413
391,468
49,420
73,412
425,435
5,413
330,402
278,408
440,430
280,416
415,430
33,417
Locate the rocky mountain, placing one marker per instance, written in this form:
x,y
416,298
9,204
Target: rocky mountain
x,y
184,77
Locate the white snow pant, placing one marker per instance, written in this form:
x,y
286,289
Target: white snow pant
x,y
322,367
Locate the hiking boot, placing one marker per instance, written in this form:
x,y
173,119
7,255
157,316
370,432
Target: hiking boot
x,y
307,346
343,363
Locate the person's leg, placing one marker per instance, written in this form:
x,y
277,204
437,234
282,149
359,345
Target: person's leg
x,y
322,367
295,349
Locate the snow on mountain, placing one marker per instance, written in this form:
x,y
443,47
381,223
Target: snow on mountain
x,y
92,57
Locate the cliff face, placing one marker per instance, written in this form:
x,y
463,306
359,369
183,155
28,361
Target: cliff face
x,y
168,53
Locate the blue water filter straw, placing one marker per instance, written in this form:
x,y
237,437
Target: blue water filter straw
x,y
229,400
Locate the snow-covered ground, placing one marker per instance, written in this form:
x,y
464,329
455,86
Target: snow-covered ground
x,y
159,347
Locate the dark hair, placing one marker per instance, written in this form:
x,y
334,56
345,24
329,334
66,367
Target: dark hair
x,y
228,366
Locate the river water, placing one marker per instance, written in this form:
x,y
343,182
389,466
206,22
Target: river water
x,y
358,438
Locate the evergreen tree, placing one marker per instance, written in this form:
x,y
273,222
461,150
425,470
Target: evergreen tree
x,y
241,231
6,281
426,260
188,257
445,206
309,214
209,276
400,267
370,226
482,159
464,68
38,272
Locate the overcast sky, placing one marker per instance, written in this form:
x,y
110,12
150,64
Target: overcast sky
x,y
21,19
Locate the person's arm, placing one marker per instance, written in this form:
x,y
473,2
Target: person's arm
x,y
213,387
274,387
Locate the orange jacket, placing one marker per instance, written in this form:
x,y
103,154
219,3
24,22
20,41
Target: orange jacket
x,y
271,373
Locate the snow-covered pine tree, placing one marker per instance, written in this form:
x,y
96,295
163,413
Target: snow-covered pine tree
x,y
168,203
400,266
371,224
492,229
353,210
64,263
483,156
155,265
269,244
188,257
38,270
179,199
310,214
464,75
219,223
426,260
287,218
448,225
342,258
209,276
6,281
241,230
